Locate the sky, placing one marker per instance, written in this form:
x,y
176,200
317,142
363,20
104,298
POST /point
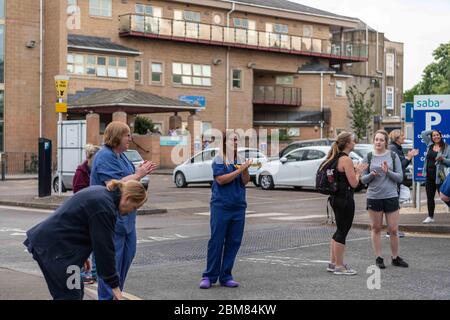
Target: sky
x,y
422,25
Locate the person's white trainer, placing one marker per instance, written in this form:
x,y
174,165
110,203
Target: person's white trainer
x,y
428,220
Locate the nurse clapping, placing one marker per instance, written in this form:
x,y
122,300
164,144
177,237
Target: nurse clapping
x,y
228,205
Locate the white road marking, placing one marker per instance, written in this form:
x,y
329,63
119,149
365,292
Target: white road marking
x,y
11,230
22,234
298,218
25,209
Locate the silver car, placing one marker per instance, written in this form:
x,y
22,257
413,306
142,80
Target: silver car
x,y
67,178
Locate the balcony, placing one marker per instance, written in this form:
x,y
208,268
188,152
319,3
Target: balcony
x,y
179,30
277,95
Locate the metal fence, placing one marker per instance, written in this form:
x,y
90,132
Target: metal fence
x,y
19,163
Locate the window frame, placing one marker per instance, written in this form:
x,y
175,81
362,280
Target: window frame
x,y
141,69
241,87
344,88
160,83
101,9
191,74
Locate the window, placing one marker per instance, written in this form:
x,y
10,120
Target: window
x,y
308,31
69,3
115,67
285,80
209,155
295,156
138,71
390,64
280,28
101,8
389,98
192,16
240,23
191,74
314,155
144,9
340,88
237,79
2,53
2,9
206,126
157,72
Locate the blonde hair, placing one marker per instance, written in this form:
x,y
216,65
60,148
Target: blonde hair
x,y
132,188
338,146
91,150
394,135
386,137
114,133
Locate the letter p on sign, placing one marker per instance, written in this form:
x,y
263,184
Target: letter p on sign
x,y
432,119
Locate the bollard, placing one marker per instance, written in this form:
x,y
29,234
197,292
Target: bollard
x,y
3,165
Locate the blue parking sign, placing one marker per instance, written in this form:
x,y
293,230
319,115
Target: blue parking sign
x,y
430,113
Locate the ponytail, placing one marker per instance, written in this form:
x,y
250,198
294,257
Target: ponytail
x,y
337,147
132,188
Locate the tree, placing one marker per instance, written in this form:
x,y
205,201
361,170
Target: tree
x,y
361,110
142,125
435,77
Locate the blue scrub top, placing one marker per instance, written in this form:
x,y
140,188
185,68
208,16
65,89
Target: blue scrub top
x,y
445,189
232,195
108,165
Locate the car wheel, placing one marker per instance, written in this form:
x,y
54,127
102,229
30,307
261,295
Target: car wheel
x,y
180,180
266,182
56,186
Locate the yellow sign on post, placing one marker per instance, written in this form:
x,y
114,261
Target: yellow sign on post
x,y
61,88
61,107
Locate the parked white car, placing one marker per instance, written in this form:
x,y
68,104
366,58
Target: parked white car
x,y
298,168
198,169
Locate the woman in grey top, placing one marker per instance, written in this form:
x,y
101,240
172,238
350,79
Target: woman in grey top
x,y
383,176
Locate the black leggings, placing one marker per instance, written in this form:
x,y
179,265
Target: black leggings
x,y
431,187
344,212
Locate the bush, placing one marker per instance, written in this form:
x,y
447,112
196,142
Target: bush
x,y
142,125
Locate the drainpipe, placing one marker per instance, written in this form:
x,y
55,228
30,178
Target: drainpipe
x,y
321,104
41,44
368,49
227,103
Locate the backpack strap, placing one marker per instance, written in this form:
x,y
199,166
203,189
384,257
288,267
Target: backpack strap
x,y
393,160
369,159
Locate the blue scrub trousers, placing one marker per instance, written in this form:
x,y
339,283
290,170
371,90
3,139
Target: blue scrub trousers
x,y
125,245
227,230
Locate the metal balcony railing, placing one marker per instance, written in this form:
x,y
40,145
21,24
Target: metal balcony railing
x,y
277,95
188,31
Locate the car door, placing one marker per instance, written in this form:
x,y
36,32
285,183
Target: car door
x,y
194,168
308,167
289,172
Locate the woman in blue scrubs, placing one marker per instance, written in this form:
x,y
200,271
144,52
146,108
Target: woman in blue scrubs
x,y
228,204
110,163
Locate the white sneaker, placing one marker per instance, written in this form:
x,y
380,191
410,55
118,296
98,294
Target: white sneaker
x,y
428,220
345,271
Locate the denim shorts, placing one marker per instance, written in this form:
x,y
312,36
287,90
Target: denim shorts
x,y
383,205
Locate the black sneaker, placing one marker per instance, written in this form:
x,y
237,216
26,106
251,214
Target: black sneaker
x,y
399,262
380,263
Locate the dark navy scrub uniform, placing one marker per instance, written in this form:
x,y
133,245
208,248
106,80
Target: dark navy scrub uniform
x,y
83,223
228,204
107,166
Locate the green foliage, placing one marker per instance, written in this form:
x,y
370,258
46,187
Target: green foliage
x,y
435,77
361,110
142,125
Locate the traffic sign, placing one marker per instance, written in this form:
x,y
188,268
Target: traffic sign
x,y
61,107
430,113
61,83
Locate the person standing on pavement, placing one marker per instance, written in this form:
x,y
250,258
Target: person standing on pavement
x,y
437,162
445,191
397,138
110,163
228,205
383,175
62,243
82,176
342,201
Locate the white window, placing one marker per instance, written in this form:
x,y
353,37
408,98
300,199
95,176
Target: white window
x,y
308,31
101,66
390,64
390,101
280,28
144,9
101,8
157,73
340,88
285,80
240,23
191,74
192,16
138,71
237,79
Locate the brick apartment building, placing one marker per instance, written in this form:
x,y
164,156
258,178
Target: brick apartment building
x,y
260,64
